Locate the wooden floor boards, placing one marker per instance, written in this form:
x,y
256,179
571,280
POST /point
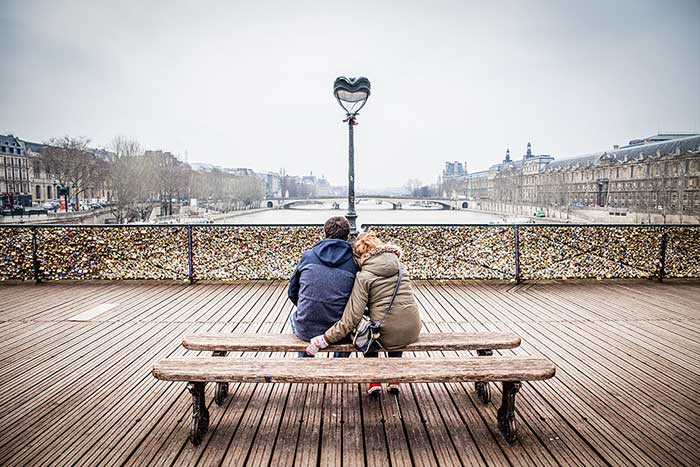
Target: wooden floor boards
x,y
626,390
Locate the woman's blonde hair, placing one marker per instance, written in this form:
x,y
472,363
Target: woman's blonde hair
x,y
366,242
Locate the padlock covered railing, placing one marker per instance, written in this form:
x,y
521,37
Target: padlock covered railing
x,y
271,252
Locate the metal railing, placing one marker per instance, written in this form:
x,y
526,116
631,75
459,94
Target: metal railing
x,y
250,252
154,252
546,251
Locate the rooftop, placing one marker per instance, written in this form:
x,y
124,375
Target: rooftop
x,y
663,144
80,391
639,152
660,137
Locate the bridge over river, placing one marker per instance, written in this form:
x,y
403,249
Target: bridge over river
x,y
396,202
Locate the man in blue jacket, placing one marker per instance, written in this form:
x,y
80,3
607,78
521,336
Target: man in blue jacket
x,y
322,282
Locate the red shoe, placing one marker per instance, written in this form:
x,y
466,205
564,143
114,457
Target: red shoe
x,y
374,388
394,388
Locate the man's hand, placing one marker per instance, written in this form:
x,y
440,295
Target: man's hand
x,y
316,344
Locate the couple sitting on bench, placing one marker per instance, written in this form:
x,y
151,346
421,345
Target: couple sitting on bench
x,y
333,286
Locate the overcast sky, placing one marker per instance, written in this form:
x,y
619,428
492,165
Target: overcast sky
x,y
249,84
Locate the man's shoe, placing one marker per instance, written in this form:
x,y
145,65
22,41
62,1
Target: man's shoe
x,y
374,388
394,388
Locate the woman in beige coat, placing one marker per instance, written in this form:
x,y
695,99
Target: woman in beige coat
x,y
373,289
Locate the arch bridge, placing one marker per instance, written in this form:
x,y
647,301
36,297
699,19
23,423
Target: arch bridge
x,y
397,202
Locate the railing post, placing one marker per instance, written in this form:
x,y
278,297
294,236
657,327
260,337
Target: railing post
x,y
189,254
662,265
516,232
35,260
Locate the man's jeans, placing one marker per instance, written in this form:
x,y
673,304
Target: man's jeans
x,y
305,355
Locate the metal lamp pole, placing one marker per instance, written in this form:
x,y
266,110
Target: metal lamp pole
x,y
351,214
352,94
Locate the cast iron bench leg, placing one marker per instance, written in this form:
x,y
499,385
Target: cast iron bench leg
x,y
200,414
221,388
483,391
506,413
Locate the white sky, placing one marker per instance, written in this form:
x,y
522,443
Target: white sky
x,y
248,84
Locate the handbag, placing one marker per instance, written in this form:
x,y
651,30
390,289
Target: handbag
x,y
367,332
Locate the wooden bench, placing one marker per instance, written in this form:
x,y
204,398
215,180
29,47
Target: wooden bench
x,y
197,371
484,343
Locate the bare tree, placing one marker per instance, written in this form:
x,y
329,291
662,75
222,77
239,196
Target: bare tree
x,y
682,187
205,187
126,178
170,177
69,161
249,191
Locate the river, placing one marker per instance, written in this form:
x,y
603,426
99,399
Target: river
x,y
367,213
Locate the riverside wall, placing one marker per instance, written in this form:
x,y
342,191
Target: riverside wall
x,y
584,214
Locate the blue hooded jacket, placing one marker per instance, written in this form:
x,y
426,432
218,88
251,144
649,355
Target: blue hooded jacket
x,y
321,286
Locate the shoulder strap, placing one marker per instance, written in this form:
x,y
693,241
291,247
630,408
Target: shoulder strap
x,y
396,289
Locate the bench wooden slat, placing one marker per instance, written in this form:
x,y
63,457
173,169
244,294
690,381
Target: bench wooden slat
x,y
353,370
239,342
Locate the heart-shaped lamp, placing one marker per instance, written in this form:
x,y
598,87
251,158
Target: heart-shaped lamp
x,y
352,93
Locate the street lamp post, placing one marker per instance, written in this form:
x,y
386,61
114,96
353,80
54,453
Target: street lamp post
x,y
352,94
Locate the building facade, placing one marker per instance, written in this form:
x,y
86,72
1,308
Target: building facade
x,y
14,166
43,185
454,169
273,183
661,177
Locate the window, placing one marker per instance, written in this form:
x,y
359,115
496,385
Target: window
x,y
49,194
38,192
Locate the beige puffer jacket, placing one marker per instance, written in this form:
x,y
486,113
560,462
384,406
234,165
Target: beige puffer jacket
x,y
373,288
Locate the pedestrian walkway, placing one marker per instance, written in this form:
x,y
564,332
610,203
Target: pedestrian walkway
x,y
76,388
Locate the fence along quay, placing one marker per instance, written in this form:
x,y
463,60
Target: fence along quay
x,y
190,253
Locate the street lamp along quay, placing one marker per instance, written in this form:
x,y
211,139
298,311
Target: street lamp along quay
x,y
352,94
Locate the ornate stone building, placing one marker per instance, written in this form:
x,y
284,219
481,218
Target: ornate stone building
x,y
43,184
658,175
14,166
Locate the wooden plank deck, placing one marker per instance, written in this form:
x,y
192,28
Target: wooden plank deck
x,y
80,392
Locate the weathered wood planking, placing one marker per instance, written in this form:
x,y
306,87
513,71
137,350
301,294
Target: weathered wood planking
x,y
626,389
228,342
277,370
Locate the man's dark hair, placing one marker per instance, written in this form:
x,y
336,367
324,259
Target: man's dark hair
x,y
337,227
